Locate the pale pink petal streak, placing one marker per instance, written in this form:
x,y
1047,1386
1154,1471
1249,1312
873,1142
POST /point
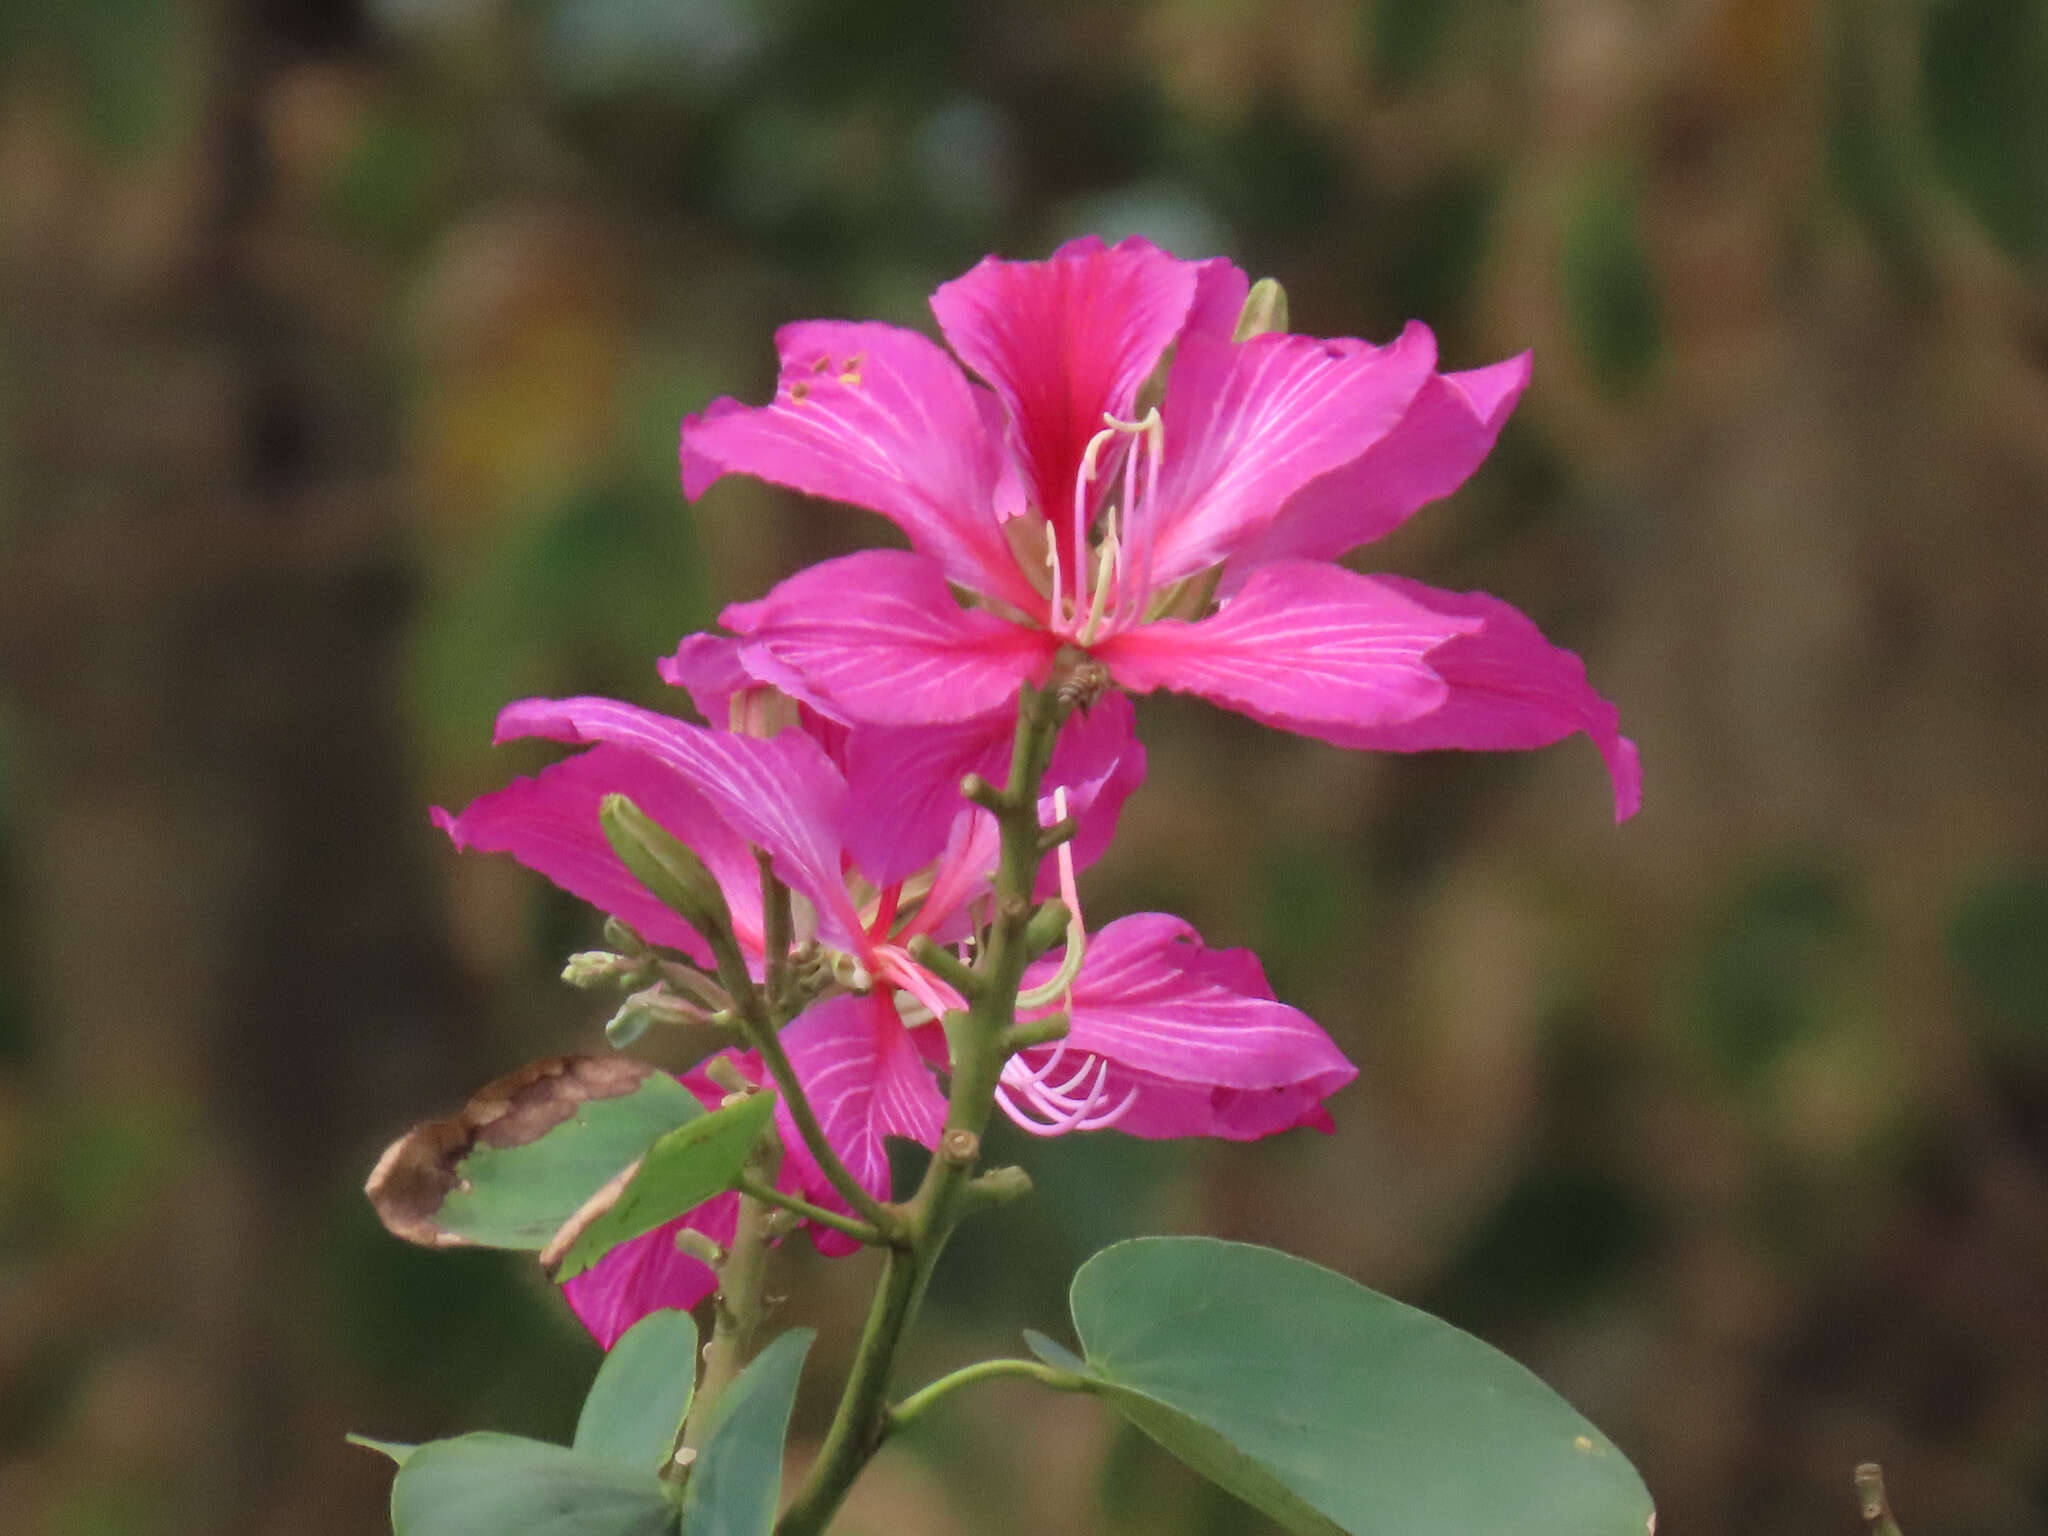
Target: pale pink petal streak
x,y
550,824
877,637
782,795
1249,425
1447,432
1064,340
1308,647
866,1080
878,417
1506,689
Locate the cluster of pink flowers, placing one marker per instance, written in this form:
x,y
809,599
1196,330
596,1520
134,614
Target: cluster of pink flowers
x,y
1189,545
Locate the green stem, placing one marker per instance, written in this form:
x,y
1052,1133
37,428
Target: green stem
x,y
759,1020
887,1223
768,1194
735,1314
915,1406
975,1045
1874,1506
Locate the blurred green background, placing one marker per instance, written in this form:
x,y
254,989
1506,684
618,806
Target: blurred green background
x,y
342,346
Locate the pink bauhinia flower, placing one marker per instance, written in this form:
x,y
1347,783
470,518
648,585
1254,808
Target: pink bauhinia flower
x,y
1192,547
865,1054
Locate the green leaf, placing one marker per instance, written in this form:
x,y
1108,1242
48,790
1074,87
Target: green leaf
x,y
1333,1409
526,1153
503,1485
397,1450
738,1472
1054,1353
679,1173
1610,295
636,1406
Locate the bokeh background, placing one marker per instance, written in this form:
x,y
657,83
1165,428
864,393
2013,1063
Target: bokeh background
x,y
342,346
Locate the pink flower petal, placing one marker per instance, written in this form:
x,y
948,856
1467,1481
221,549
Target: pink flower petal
x,y
1507,689
1249,425
906,781
708,666
1450,428
879,638
1305,646
866,1080
782,795
1062,341
648,1274
549,823
1221,288
1100,762
1151,997
879,417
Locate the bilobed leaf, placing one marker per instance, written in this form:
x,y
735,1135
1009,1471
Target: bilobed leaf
x,y
526,1152
635,1407
679,1172
503,1485
1334,1409
737,1476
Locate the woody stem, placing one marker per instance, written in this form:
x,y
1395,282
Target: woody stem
x,y
976,1042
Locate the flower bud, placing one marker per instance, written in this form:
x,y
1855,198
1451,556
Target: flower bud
x,y
699,1247
645,1009
1265,310
661,863
594,968
621,936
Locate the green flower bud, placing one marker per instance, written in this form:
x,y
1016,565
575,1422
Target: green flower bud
x,y
661,863
621,937
645,1009
594,968
1265,310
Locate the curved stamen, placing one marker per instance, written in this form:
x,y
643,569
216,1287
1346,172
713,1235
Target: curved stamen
x,y
1077,930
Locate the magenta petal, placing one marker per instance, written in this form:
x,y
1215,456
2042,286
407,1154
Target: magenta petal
x,y
549,823
1221,288
866,1080
879,417
1508,688
1449,429
1151,997
1248,426
1099,761
906,781
782,795
1306,646
879,637
648,1274
1064,340
1162,1109
708,667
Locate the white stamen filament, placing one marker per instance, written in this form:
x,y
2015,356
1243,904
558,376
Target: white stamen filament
x,y
1051,1111
1115,596
1061,981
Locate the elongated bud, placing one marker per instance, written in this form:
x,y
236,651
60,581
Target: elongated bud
x,y
645,1009
699,1247
1265,310
622,937
721,1071
662,864
594,968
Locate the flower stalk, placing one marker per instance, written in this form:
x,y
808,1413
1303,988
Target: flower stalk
x,y
978,1045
